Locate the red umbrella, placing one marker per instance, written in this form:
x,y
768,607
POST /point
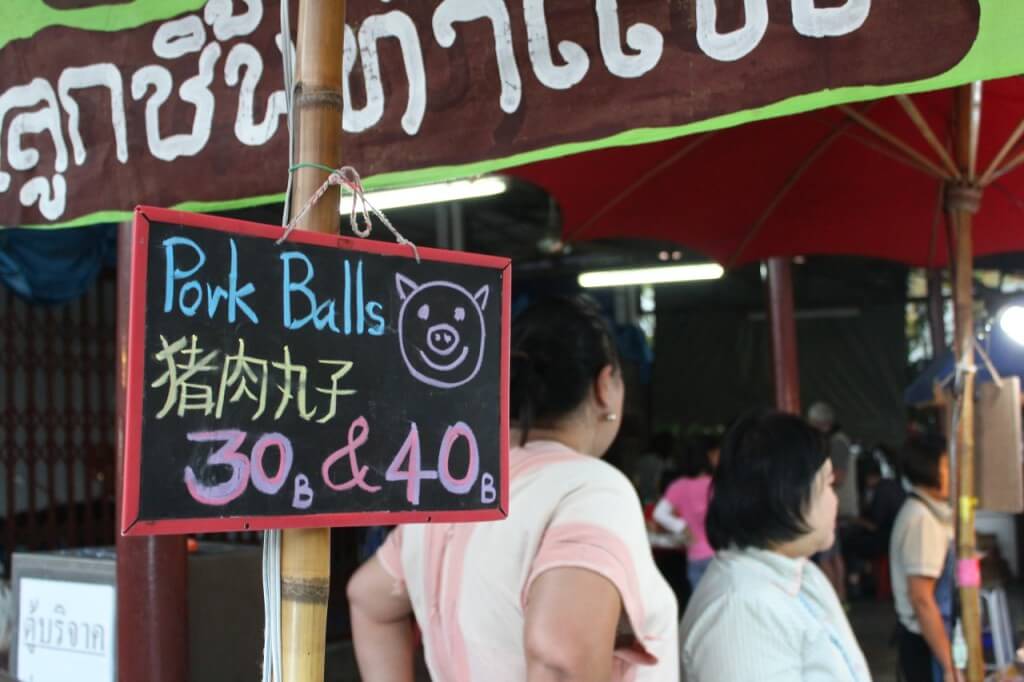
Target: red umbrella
x,y
862,180
916,179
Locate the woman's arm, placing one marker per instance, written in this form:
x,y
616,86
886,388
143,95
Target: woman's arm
x,y
571,619
381,613
922,598
665,514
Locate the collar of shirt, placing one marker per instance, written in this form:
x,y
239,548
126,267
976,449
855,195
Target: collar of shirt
x,y
940,508
784,571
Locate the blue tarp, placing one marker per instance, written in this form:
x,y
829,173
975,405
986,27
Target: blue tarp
x,y
1006,355
55,266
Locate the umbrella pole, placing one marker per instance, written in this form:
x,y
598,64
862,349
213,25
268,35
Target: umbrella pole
x,y
785,370
306,553
936,323
962,202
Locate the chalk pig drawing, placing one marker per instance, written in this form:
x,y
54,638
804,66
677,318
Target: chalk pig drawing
x,y
441,331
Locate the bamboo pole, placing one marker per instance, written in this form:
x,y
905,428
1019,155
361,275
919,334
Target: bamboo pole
x,y
960,212
785,370
306,553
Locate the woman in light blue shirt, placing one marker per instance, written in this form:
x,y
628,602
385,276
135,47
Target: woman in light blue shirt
x,y
762,610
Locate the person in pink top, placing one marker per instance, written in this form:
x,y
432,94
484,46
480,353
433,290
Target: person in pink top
x,y
684,505
566,587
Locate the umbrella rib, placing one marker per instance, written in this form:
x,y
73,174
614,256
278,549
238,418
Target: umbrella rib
x,y
936,219
990,173
892,154
912,110
786,187
1010,166
899,144
637,184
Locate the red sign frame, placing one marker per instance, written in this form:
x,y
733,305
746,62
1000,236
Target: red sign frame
x,y
133,247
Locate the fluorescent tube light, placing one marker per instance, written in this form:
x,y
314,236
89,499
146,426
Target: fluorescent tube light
x,y
656,275
429,194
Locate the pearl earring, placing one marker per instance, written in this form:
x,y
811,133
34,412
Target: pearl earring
x,y
610,417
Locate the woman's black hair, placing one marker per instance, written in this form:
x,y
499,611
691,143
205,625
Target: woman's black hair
x,y
919,460
696,455
764,481
559,346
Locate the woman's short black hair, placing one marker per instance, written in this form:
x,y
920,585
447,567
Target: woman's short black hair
x,y
696,455
920,458
559,346
764,481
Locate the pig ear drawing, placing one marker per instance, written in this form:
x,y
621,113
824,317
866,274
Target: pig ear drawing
x,y
481,296
405,286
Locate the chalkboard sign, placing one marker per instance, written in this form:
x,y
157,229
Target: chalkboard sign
x,y
324,381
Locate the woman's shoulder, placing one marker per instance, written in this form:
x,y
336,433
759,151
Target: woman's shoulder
x,y
561,474
729,602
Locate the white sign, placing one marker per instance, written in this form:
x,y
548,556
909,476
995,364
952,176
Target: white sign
x,y
65,631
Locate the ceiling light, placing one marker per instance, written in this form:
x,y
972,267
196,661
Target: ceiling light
x,y
1011,321
429,194
657,275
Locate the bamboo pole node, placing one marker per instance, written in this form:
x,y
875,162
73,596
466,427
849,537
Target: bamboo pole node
x,y
306,590
963,197
307,97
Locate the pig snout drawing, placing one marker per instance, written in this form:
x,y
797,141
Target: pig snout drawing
x,y
441,331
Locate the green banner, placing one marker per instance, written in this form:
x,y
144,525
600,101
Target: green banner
x,y
106,104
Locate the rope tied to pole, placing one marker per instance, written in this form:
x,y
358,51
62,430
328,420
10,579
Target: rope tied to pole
x,y
348,178
963,197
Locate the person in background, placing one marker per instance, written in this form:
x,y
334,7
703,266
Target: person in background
x,y
684,505
650,467
822,417
762,611
869,537
921,563
565,588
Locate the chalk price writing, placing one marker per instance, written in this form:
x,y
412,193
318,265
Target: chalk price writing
x,y
246,469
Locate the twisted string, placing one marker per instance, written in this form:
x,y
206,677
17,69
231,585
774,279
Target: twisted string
x,y
347,177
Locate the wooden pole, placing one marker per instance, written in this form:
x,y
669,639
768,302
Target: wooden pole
x,y
306,553
961,204
785,370
936,313
152,572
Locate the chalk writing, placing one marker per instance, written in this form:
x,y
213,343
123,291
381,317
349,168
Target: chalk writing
x,y
182,392
299,292
358,433
219,494
414,474
190,295
409,454
207,484
441,331
488,494
303,497
260,480
199,381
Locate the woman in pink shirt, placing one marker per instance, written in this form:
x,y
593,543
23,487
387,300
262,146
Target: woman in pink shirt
x,y
685,504
565,588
